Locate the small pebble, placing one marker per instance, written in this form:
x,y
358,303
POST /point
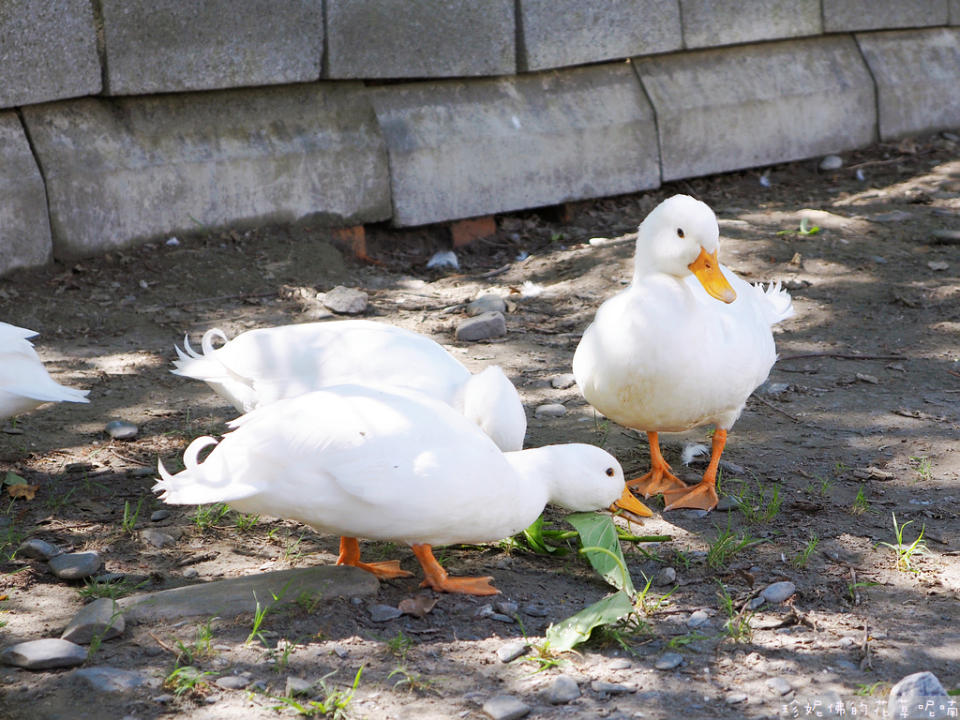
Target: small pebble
x,y
158,515
507,607
297,686
444,259
190,573
232,682
156,537
562,382
505,707
609,688
482,327
699,618
778,592
755,602
486,303
345,301
164,699
39,549
121,430
550,410
831,162
75,566
511,651
668,661
621,664
44,654
735,698
340,651
779,685
101,618
912,693
727,503
384,613
110,679
666,576
871,379
564,689
536,610
937,265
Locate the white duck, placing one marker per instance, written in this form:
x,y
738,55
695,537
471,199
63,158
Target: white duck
x,y
24,382
262,366
391,465
685,345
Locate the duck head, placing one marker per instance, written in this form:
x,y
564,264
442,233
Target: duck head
x,y
579,477
679,237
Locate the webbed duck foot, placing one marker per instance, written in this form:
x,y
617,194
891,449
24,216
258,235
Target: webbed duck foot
x,y
702,496
436,577
386,570
660,479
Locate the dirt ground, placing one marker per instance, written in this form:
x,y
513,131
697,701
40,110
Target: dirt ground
x,y
859,422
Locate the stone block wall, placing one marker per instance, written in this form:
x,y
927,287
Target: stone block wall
x,y
125,120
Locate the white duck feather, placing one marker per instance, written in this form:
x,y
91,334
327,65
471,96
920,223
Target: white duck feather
x,y
261,366
677,350
25,383
388,465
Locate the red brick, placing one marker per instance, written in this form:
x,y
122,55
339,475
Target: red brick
x,y
464,232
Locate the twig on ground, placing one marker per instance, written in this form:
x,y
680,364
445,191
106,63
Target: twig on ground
x,y
779,410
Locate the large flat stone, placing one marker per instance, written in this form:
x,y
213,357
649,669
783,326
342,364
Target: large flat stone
x,y
127,169
708,23
227,598
848,15
48,51
422,39
732,108
560,33
169,45
918,76
462,149
24,226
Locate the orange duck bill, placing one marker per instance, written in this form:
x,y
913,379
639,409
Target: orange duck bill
x,y
706,268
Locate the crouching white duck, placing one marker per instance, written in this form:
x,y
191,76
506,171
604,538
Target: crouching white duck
x,y
261,366
391,465
25,383
683,346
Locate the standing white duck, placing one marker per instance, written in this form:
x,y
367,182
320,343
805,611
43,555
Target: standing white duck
x,y
262,366
391,465
24,382
685,345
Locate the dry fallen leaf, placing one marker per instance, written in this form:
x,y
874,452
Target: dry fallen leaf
x,y
22,490
418,605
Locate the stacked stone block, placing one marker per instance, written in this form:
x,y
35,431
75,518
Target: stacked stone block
x,y
124,120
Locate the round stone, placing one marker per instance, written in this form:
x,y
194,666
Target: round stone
x,y
563,690
831,162
39,549
121,430
75,566
550,410
487,303
668,661
778,592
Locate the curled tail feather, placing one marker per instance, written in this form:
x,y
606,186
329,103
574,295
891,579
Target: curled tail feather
x,y
779,305
170,485
189,362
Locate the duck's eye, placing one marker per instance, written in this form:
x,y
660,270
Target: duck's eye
x,y
611,472
680,232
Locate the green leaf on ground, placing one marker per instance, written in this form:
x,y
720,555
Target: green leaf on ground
x,y
13,479
601,545
567,634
